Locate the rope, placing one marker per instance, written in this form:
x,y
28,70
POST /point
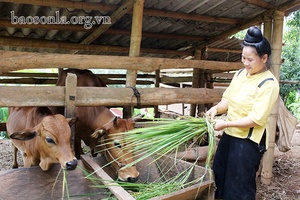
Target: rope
x,y
137,94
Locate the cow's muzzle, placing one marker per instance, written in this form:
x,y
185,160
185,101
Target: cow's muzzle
x,y
71,165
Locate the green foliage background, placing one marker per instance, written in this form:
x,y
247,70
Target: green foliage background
x,y
3,118
290,69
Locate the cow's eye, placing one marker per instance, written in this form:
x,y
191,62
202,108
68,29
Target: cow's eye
x,y
117,144
50,140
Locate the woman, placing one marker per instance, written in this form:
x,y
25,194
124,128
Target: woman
x,y
248,102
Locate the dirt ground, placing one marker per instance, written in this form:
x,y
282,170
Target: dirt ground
x,y
286,171
286,175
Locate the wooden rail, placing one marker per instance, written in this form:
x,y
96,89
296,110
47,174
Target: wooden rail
x,y
95,96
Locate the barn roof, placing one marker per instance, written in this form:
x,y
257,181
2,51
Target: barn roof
x,y
170,28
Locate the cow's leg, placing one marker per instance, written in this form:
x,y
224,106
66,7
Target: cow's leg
x,y
15,161
93,153
27,160
77,146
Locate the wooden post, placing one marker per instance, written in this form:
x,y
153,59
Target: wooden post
x,y
195,82
276,43
268,27
198,82
157,80
70,99
135,46
267,30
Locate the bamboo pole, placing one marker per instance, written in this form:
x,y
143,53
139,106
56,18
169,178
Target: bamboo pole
x,y
268,158
135,48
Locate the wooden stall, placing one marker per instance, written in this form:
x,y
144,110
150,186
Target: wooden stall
x,y
136,35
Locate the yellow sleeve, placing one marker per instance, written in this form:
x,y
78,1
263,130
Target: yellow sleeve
x,y
265,100
226,93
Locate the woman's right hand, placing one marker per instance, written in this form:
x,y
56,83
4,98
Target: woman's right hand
x,y
212,112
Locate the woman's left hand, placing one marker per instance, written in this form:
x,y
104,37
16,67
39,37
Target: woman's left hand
x,y
220,124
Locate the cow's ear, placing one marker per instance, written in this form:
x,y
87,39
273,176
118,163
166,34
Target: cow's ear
x,y
71,121
24,135
115,122
99,133
138,117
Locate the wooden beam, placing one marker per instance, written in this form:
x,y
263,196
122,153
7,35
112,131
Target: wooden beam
x,y
27,81
211,49
246,24
289,82
105,7
190,17
89,96
259,3
168,79
25,74
54,75
12,61
47,44
43,81
66,4
110,31
119,13
289,6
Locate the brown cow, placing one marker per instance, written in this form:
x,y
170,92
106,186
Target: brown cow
x,y
43,138
102,122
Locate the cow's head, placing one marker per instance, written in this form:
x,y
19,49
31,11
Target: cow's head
x,y
117,153
52,143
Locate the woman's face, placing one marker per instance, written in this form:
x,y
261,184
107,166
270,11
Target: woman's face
x,y
252,62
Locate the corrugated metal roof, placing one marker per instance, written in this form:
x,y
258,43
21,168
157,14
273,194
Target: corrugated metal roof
x,y
171,26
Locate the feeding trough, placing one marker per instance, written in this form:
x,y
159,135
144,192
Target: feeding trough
x,y
33,183
152,171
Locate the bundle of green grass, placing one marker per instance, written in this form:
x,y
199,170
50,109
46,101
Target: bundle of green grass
x,y
160,137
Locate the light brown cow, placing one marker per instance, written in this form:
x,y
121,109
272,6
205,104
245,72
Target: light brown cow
x,y
100,118
43,138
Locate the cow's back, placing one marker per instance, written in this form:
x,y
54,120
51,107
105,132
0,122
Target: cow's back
x,y
95,122
25,117
85,78
88,118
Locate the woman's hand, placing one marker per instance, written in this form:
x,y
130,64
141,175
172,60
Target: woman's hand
x,y
220,108
245,122
220,124
212,112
